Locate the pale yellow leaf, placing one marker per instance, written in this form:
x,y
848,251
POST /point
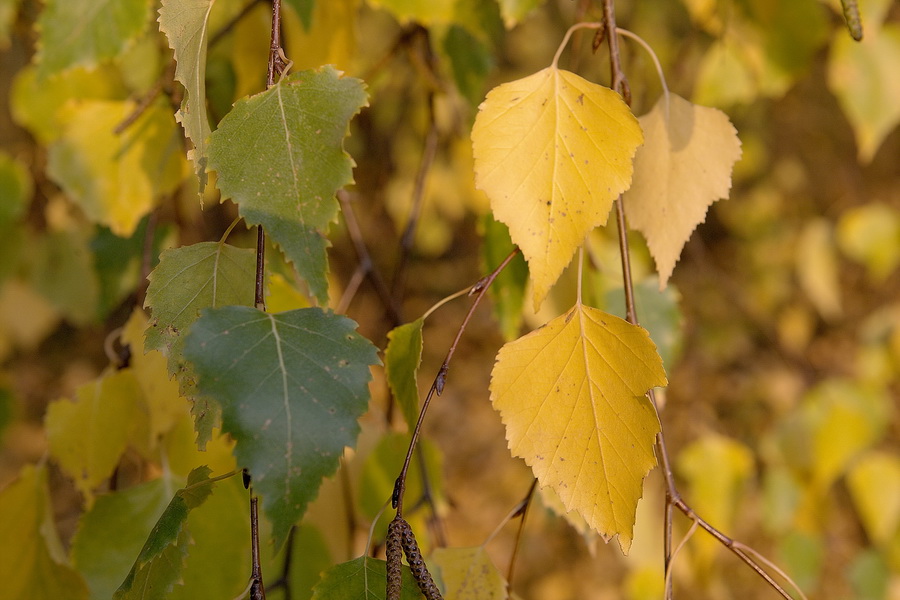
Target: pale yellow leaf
x,y
682,169
87,436
469,574
553,151
874,484
571,395
817,267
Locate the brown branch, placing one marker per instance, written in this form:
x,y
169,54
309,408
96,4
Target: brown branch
x,y
257,588
479,290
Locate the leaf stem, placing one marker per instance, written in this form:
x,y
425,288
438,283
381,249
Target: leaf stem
x,y
565,40
518,543
463,292
659,70
480,288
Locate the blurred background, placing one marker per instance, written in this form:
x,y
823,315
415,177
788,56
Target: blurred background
x,y
780,329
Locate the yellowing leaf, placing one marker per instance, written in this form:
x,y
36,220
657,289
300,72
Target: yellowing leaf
x,y
88,436
864,77
32,561
424,11
716,469
571,395
469,574
115,178
552,152
186,25
869,234
514,11
817,267
684,166
874,484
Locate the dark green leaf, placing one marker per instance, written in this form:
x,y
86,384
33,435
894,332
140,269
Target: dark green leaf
x,y
471,62
280,156
304,10
291,387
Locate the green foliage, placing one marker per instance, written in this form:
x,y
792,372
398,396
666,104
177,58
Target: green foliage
x,y
279,155
361,579
402,358
306,401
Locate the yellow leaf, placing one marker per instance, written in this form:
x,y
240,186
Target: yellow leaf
x,y
571,395
32,560
874,484
115,178
817,267
161,399
88,436
684,166
552,152
469,574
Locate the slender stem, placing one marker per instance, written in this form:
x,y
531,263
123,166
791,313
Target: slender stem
x,y
365,259
515,553
463,292
407,240
659,70
438,385
257,588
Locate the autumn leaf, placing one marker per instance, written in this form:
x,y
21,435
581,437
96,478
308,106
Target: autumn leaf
x,y
426,12
469,574
571,395
682,169
514,11
186,25
874,485
552,152
115,178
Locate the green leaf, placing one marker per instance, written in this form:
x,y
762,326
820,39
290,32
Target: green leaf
x,y
217,565
471,61
88,436
304,10
291,387
402,358
508,289
159,565
32,561
15,188
280,156
85,32
186,25
363,578
660,315
103,559
62,271
187,280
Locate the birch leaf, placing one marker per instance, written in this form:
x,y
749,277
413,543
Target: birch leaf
x,y
469,574
84,32
279,155
552,152
186,25
682,169
291,387
571,396
402,358
362,578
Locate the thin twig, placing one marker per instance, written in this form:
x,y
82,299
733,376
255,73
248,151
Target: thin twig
x,y
526,504
257,588
438,385
408,239
365,259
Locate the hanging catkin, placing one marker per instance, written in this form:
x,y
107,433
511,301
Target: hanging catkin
x,y
851,15
417,563
394,552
